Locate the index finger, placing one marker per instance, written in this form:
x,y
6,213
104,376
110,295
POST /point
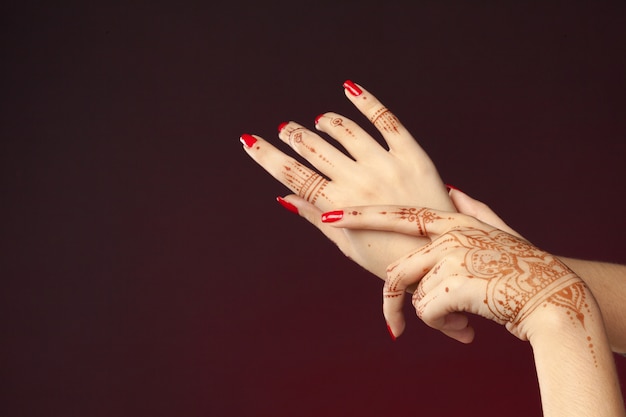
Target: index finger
x,y
414,221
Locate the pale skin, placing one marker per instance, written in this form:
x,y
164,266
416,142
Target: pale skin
x,y
607,281
404,174
364,177
470,266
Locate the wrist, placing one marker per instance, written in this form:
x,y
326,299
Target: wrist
x,y
570,313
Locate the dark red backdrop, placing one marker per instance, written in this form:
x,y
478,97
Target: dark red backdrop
x,y
147,270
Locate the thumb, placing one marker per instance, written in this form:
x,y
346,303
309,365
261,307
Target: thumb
x,y
472,207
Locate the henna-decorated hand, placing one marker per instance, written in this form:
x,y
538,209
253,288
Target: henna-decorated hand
x,y
469,267
404,174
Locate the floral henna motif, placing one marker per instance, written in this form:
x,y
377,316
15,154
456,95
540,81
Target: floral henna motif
x,y
574,299
520,277
338,122
421,217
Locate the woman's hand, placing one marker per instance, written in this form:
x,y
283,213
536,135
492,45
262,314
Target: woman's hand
x,y
472,267
469,267
370,174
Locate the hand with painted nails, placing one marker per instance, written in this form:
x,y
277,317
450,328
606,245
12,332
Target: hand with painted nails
x,y
605,280
469,267
368,174
472,267
477,264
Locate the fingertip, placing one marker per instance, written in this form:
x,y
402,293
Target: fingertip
x,y
391,334
392,312
287,205
247,140
465,336
395,330
281,126
332,216
353,89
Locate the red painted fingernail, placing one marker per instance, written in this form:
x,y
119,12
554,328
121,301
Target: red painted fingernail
x,y
332,216
286,204
352,88
282,126
393,337
247,140
317,119
452,187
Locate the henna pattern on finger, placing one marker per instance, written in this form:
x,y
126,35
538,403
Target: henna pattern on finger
x,y
307,185
385,120
421,217
297,142
312,188
338,122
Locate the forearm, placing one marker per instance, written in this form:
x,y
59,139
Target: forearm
x,y
575,366
607,282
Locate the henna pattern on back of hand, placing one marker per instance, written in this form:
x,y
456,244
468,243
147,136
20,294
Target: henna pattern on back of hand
x,y
519,277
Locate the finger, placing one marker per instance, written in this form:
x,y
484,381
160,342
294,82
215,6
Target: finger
x,y
359,144
326,158
472,207
311,213
456,326
443,307
414,221
404,273
395,134
300,179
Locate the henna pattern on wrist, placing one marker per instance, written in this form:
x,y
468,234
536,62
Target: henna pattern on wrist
x,y
574,300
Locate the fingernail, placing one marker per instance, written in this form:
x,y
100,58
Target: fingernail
x,y
393,337
286,204
282,126
317,119
451,187
247,140
352,88
332,216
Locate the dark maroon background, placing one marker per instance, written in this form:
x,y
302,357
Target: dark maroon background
x,y
146,268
